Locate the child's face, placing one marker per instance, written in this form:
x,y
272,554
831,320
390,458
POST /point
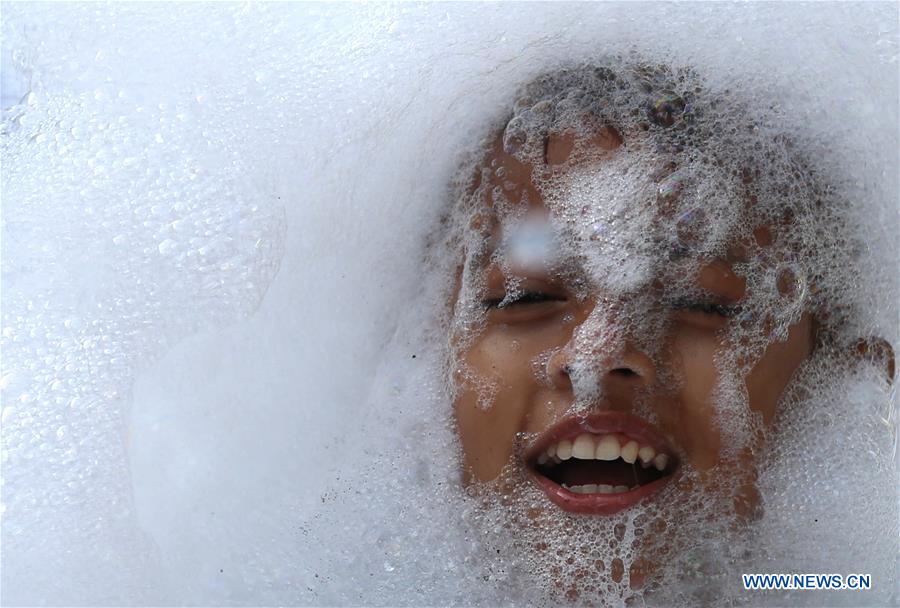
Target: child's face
x,y
632,371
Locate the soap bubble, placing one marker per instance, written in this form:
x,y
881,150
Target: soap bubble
x,y
667,109
244,297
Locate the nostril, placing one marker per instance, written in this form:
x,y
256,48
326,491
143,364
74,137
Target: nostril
x,y
624,372
559,370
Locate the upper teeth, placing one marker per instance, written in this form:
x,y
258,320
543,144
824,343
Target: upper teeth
x,y
600,488
604,447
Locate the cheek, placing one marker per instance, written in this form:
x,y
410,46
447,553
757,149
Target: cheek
x,y
492,402
500,392
768,379
692,363
692,418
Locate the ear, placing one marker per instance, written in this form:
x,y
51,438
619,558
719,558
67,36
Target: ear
x,y
878,352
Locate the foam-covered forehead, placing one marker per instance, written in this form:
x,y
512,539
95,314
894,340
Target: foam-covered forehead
x,y
626,205
637,170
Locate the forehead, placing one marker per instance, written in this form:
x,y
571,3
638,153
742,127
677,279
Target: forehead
x,y
518,176
606,183
620,202
744,188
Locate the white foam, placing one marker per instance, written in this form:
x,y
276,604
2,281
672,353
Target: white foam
x,y
224,373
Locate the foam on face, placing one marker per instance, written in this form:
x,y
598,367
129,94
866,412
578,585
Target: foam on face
x,y
221,260
652,215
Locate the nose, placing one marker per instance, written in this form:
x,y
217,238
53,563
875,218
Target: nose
x,y
604,351
630,368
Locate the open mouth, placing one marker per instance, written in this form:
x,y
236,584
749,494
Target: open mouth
x,y
601,464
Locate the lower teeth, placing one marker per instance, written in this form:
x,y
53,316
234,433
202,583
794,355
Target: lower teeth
x,y
598,489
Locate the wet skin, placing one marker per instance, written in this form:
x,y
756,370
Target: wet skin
x,y
514,336
632,380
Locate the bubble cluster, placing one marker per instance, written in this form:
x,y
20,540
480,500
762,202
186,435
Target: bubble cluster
x,y
270,275
645,179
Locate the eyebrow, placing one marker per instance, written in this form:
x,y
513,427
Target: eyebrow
x,y
734,254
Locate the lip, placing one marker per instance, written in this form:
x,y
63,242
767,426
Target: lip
x,y
598,423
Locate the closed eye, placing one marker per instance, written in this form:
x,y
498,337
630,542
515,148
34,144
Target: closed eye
x,y
521,298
